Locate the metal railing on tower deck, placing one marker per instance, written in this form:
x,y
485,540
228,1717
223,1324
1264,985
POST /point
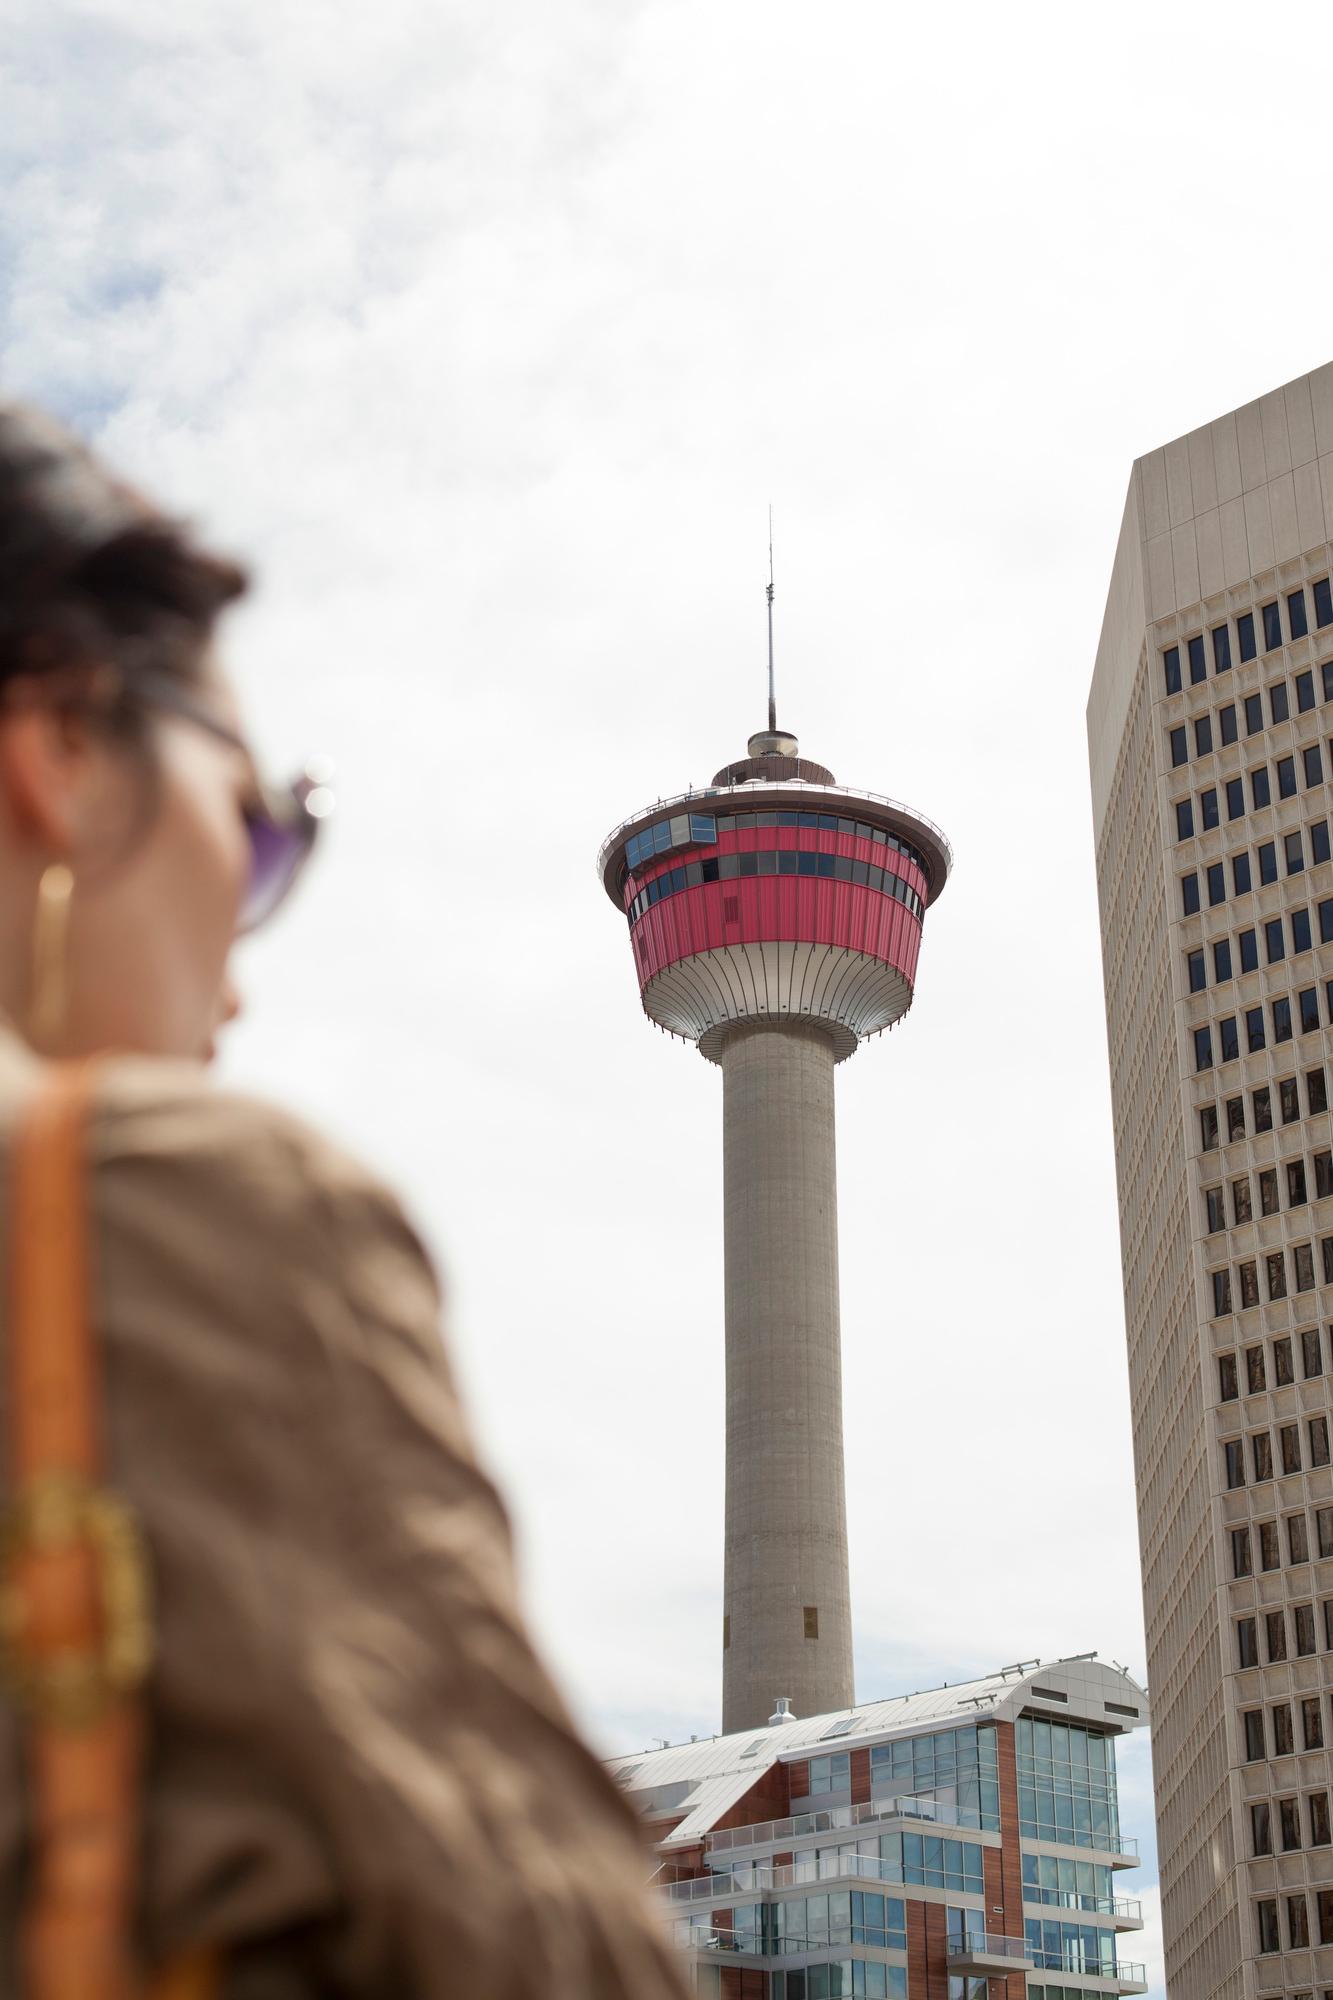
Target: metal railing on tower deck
x,y
834,1819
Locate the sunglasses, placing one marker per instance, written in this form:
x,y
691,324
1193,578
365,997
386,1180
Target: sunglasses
x,y
281,821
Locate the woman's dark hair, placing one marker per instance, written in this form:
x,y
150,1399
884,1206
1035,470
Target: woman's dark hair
x,y
91,574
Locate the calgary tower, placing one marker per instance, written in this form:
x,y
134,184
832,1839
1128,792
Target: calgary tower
x,y
775,920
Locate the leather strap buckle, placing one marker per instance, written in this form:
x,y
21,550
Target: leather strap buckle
x,y
70,1681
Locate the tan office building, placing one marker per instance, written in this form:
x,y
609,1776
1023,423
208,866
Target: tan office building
x,y
1210,729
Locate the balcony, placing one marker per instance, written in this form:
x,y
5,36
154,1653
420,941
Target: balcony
x,y
835,1819
1127,1910
987,1952
743,1879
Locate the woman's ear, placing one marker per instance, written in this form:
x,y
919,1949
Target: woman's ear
x,y
44,766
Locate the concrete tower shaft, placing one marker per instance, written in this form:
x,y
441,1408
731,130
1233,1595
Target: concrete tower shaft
x,y
787,1621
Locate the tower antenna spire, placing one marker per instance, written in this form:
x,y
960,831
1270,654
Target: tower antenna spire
x,y
772,698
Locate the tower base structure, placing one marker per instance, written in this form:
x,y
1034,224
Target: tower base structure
x,y
787,1626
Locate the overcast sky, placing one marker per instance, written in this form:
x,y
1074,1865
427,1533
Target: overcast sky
x,y
488,334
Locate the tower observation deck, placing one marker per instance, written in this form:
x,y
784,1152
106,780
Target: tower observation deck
x,y
775,919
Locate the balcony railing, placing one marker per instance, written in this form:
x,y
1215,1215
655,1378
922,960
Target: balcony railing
x,y
1128,1976
990,1944
836,1819
1125,1908
760,1878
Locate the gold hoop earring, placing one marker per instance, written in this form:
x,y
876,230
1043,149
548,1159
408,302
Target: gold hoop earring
x,y
50,955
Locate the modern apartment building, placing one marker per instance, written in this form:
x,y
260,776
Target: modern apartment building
x,y
1210,729
962,1844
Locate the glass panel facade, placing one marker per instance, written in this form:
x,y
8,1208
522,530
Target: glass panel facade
x,y
957,1768
1073,1885
1066,1784
844,1979
928,1861
1060,1947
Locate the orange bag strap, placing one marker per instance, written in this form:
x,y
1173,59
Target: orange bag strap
x,y
75,1618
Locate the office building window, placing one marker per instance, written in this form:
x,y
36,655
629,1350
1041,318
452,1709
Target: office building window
x,y
1240,1552
1323,1173
1303,1259
1261,1456
1318,1434
1283,1743
1291,1109
1236,1116
1217,888
1319,842
1312,1361
1305,1632
1272,626
1203,735
1308,999
1296,620
1254,715
1180,749
1289,1444
1270,1557
1228,1036
1260,790
1279,708
1213,1202
1226,720
1235,798
1289,1820
1314,766
1189,895
1222,959
1261,1828
1240,1200
1298,1539
1208,808
1245,635
1185,819
1283,1372
1221,637
1319,1831
1198,667
1249,951
1249,1284
1268,1201
1228,1385
1295,1191
1203,1048
1255,1382
1240,873
1208,1127
1312,1722
1282,1020
1254,1735
1221,1292
1268,861
1171,669
1265,1911
1275,1637
1305,694
1324,1905
1196,970
1291,846
1323,602
1277,1275
1316,1090
1286,777
1235,1463
1298,1923
1323,1528
1300,929
1247,1641
1254,1028
1273,943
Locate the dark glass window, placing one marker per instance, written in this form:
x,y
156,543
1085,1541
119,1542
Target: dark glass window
x,y
1198,666
1305,1640
1245,634
1286,777
1289,1441
1308,1000
1273,940
1254,1735
1240,1200
1323,1187
1254,1028
1303,1256
1221,637
1305,695
1314,766
1229,1387
1254,715
1275,1636
1295,1196
1221,1292
1247,1642
1316,1091
1272,626
1327,671
1260,790
1263,1111
1222,959
1249,951
1318,1428
1323,602
1326,920
1217,885
1208,804
1255,1379
1203,735
1319,1837
1249,1284
1287,1098
1235,1463
1240,1552
1282,1019
1319,847
1227,721
1268,1205
1203,1048
1278,706
1229,1038
1297,623
1208,1128
1240,873
1298,1912
1189,894
1265,1924
1216,1216
1312,1363
1171,669
1289,1820
1300,930
1291,847
1197,970
1235,798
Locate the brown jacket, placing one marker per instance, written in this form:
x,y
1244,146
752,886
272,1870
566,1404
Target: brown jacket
x,y
361,1780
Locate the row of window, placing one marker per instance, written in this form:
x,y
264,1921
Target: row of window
x,y
1286,771
1225,1047
1301,1186
1283,1366
1315,834
1261,1452
845,1917
1230,964
1270,616
1261,1108
1262,1540
928,1861
1284,1745
1251,712
1074,1885
782,861
844,1979
1275,1635
1244,1293
1298,1924
705,829
956,1767
1060,1947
